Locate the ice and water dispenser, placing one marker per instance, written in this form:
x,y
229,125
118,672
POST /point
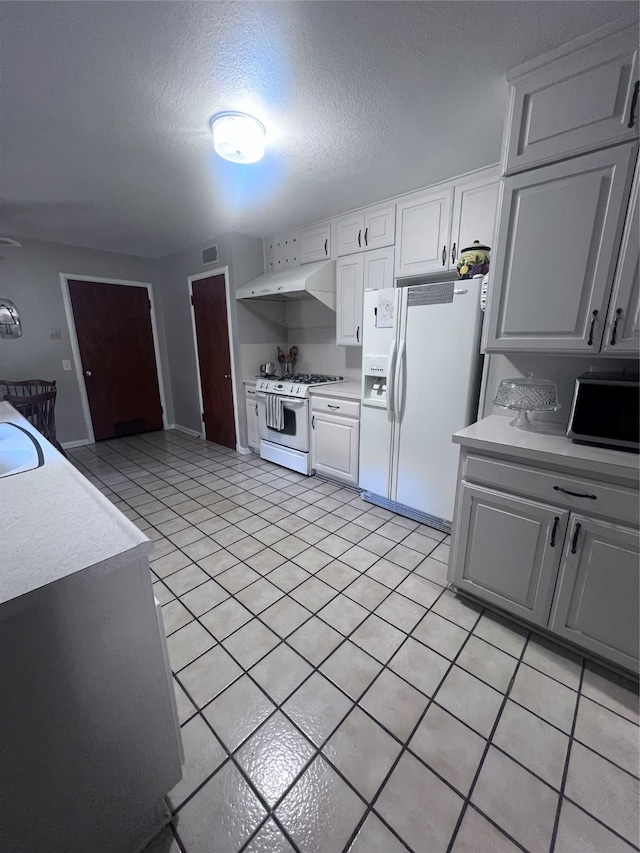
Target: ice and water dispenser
x,y
374,369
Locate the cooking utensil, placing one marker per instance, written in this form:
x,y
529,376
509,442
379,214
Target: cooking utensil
x,y
268,368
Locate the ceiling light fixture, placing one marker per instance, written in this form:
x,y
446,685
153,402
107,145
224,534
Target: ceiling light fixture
x,y
238,137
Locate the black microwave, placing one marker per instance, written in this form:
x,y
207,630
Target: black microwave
x,y
605,409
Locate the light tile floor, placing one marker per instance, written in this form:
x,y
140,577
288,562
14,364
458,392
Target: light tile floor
x,y
334,695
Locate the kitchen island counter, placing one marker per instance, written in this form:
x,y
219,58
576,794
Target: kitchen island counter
x,y
54,523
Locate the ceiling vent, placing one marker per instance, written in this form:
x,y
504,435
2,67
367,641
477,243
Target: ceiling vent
x,y
210,255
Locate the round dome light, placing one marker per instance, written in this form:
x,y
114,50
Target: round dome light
x,y
238,137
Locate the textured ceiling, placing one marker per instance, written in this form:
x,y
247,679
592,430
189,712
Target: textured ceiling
x,y
104,138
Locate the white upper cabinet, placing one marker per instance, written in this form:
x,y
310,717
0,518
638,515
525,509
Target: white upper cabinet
x,y
355,274
622,333
577,99
315,243
556,252
434,226
423,224
475,207
281,251
373,228
349,293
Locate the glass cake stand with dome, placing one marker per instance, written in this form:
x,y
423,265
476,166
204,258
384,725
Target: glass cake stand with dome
x,y
527,394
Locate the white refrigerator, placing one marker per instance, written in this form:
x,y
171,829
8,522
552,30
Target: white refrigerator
x,y
420,384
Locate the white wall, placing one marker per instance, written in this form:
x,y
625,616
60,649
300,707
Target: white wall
x,y
563,369
30,276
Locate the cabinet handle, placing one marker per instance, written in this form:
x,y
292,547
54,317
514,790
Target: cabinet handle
x,y
574,544
634,104
326,245
359,243
329,406
256,410
615,327
594,317
444,255
453,254
358,334
313,422
556,522
575,494
366,231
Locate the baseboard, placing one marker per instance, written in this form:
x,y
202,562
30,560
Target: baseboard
x,y
245,451
414,514
80,443
188,431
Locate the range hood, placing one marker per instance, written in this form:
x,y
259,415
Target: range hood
x,y
308,281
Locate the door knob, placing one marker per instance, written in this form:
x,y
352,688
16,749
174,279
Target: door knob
x,y
227,376
87,373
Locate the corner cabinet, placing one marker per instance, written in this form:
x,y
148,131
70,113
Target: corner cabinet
x,y
556,253
552,544
355,274
433,227
335,438
576,100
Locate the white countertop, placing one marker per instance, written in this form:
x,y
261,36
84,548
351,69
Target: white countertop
x,y
351,389
53,523
494,434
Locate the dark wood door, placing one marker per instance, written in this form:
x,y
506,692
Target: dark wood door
x,y
113,327
214,358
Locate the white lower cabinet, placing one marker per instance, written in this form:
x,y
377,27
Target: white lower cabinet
x,y
556,565
509,550
253,436
596,602
335,438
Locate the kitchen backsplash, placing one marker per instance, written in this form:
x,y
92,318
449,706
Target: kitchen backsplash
x,y
315,356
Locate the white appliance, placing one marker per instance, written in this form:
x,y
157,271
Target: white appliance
x,y
420,384
291,445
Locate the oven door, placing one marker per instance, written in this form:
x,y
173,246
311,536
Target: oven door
x,y
296,423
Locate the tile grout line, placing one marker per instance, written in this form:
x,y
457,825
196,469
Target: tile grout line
x,y
467,799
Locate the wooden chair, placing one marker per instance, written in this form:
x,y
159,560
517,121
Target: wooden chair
x,y
35,400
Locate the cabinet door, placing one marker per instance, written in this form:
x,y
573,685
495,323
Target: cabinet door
x,y
622,333
315,243
575,104
253,437
558,240
474,216
506,550
378,269
596,602
334,447
349,292
379,227
349,231
422,225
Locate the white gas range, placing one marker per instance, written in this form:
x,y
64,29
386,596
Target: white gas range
x,y
283,418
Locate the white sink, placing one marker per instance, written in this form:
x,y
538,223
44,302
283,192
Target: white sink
x,y
19,450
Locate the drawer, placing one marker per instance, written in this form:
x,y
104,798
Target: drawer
x,y
589,496
335,406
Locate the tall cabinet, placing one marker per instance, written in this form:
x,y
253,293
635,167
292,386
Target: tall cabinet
x,y
570,151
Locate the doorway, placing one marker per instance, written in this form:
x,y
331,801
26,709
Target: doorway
x,y
116,356
211,329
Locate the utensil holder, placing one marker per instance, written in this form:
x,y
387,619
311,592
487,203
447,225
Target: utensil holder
x,y
289,368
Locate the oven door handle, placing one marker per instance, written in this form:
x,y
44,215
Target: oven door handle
x,y
291,402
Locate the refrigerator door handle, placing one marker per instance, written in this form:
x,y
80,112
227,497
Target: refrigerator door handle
x,y
397,382
390,384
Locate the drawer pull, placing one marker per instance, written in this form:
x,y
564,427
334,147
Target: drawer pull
x,y
575,494
574,544
556,521
329,406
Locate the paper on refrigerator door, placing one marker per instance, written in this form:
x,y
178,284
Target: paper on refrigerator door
x,y
384,308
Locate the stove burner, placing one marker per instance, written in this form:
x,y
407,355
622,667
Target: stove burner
x,y
311,378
